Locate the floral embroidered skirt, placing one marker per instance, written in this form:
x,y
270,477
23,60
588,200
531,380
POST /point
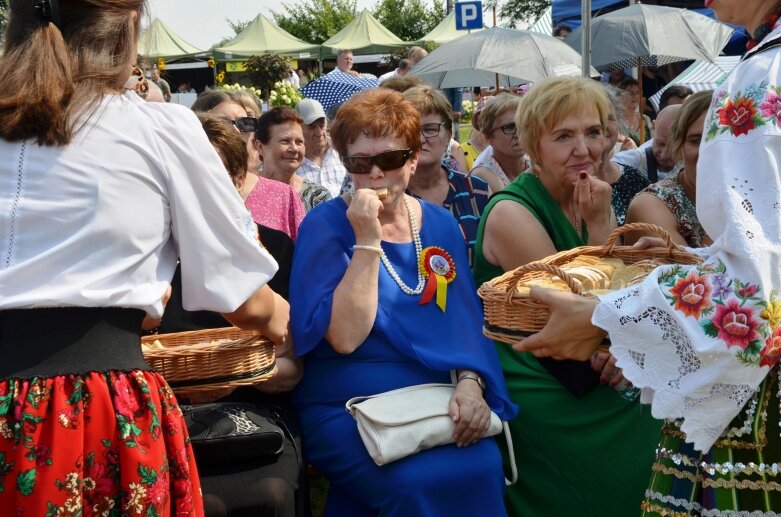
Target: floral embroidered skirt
x,y
739,476
102,444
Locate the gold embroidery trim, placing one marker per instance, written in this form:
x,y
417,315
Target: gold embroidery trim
x,y
665,512
680,474
753,485
717,482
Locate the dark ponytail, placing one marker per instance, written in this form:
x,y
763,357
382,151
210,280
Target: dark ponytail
x,y
59,62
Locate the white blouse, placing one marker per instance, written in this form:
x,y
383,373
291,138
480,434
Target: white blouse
x,y
699,340
102,221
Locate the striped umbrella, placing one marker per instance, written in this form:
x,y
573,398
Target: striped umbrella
x,y
544,24
701,75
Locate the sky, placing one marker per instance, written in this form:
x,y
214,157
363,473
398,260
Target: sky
x,y
203,22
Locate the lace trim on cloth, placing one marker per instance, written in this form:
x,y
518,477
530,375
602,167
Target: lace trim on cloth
x,y
730,312
15,205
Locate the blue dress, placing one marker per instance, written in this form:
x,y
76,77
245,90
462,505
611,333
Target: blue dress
x,y
409,344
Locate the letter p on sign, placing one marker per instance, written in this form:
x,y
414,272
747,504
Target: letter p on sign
x,y
469,15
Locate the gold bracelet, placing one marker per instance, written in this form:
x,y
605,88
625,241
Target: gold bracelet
x,y
376,249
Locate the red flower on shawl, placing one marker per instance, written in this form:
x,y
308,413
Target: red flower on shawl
x,y
125,399
103,478
739,116
112,457
692,294
772,351
735,324
183,495
158,492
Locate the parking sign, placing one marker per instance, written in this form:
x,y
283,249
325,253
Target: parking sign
x,y
469,15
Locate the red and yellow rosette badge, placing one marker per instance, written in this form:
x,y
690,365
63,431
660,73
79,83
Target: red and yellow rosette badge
x,y
437,265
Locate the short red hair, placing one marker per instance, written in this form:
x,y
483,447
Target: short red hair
x,y
375,113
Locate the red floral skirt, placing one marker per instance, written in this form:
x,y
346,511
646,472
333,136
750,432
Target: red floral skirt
x,y
102,444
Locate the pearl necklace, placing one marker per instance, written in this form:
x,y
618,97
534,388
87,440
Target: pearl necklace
x,y
413,223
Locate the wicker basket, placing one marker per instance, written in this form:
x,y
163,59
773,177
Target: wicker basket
x,y
511,316
211,360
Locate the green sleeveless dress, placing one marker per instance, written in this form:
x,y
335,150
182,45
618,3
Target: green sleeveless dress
x,y
588,456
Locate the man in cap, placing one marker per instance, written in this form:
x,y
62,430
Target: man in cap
x,y
321,163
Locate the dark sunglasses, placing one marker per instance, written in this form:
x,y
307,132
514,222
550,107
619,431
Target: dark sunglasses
x,y
387,161
243,124
508,129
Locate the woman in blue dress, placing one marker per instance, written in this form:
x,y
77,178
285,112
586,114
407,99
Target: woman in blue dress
x,y
365,323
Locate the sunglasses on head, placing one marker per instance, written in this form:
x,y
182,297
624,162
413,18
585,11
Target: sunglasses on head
x,y
387,161
508,129
243,124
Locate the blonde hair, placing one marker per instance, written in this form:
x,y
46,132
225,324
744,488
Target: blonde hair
x,y
427,100
501,103
690,111
550,102
246,100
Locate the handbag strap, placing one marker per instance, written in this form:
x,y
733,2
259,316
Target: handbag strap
x,y
511,451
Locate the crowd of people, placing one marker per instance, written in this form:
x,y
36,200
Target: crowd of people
x,y
355,244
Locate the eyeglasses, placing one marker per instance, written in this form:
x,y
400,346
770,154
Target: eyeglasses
x,y
431,130
508,129
387,161
243,124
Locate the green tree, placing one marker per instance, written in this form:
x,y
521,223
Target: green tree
x,y
267,69
527,11
408,19
237,26
315,21
3,18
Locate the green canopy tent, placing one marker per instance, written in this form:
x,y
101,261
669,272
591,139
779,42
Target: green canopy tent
x,y
363,35
159,41
262,36
445,31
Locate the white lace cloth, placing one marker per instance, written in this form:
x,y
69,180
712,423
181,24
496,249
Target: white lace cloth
x,y
700,339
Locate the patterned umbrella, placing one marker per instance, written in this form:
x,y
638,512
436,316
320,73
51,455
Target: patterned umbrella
x,y
361,81
701,75
329,93
655,35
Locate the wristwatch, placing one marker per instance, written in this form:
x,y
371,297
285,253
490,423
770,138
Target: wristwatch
x,y
474,377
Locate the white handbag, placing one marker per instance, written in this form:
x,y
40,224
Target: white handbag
x,y
398,423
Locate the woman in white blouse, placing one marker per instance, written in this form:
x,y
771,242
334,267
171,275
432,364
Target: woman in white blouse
x,y
101,193
703,342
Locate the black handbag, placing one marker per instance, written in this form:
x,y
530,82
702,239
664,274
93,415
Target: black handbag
x,y
233,432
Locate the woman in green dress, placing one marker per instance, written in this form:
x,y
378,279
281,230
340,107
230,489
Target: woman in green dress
x,y
584,449
703,341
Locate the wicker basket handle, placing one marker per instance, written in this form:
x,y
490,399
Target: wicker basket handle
x,y
515,277
613,241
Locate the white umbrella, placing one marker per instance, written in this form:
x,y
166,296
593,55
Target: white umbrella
x,y
701,76
655,34
498,56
